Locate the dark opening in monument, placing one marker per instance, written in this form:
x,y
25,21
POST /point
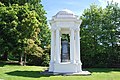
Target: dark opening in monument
x,y
65,48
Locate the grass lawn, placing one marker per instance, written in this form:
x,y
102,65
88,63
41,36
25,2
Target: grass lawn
x,y
15,72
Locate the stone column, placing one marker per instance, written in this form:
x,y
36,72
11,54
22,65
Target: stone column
x,y
72,46
78,61
78,46
58,45
51,68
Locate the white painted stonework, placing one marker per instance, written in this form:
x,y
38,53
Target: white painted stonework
x,y
65,22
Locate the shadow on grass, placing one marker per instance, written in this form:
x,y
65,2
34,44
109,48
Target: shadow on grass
x,y
104,70
32,74
2,64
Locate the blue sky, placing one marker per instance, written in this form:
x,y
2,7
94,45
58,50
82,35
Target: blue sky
x,y
77,6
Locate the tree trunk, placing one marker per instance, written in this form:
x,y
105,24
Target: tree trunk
x,y
5,56
25,59
21,59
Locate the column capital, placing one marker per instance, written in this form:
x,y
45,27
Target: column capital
x,y
77,29
71,29
58,28
52,29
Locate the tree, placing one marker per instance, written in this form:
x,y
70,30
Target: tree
x,y
35,5
110,30
8,32
25,20
98,35
90,33
29,27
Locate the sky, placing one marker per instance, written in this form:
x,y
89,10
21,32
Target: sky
x,y
77,6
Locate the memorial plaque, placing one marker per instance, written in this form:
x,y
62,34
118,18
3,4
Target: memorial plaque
x,y
65,52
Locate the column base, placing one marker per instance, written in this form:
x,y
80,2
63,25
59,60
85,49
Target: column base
x,y
51,66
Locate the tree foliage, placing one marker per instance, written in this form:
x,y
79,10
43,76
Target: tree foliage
x,y
99,39
23,28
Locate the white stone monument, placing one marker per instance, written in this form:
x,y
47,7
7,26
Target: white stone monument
x,y
65,22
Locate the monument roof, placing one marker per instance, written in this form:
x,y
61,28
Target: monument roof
x,y
65,13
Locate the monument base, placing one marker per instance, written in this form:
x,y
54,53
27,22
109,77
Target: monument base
x,y
82,73
65,67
